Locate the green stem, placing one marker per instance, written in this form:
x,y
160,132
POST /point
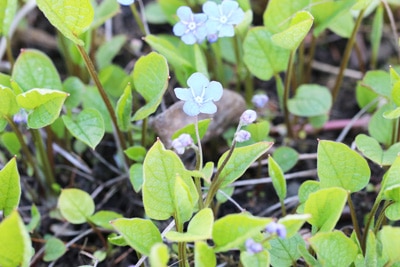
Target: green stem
x,y
307,76
48,172
283,208
288,77
119,138
369,221
346,56
354,220
144,131
10,56
217,181
199,163
181,245
138,19
381,216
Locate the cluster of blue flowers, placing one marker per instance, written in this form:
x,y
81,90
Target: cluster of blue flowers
x,y
215,21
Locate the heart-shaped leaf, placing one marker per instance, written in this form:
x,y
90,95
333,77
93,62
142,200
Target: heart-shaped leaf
x,y
310,100
75,205
71,17
372,150
87,127
53,249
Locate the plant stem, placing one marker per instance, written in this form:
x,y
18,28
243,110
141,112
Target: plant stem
x,y
199,163
283,208
119,138
144,131
369,221
181,245
381,216
138,19
10,56
217,181
354,220
288,77
346,56
307,76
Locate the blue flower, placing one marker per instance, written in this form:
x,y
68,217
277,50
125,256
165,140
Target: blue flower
x,y
260,100
126,2
200,95
276,228
221,18
191,27
253,247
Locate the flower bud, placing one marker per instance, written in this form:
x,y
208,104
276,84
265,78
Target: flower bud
x,y
260,100
242,136
276,228
247,117
253,247
181,143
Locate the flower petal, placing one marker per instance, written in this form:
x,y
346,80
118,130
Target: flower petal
x,y
236,17
226,30
184,94
184,13
189,38
197,81
211,9
208,108
212,26
214,91
200,33
179,29
228,6
199,18
191,108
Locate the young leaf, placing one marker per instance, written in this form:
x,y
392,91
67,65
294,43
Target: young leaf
x,y
286,157
392,176
10,189
240,160
184,201
390,238
75,88
310,100
278,179
75,205
200,228
204,255
71,18
53,249
381,129
161,167
15,248
104,11
159,255
372,150
371,253
233,230
102,218
136,153
334,249
291,37
107,51
339,166
259,131
45,106
254,260
92,100
35,219
87,127
378,81
7,12
114,80
34,69
283,252
150,77
262,56
140,234
305,190
8,103
325,207
136,176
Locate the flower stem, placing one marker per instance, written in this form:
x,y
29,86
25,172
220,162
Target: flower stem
x,y
119,138
138,19
289,73
199,163
354,219
381,216
369,221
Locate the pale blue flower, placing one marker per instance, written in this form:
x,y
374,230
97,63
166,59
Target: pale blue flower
x,y
260,100
126,2
200,95
242,136
222,18
253,247
276,228
191,27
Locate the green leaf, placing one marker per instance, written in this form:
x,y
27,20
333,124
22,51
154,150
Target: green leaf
x,y
293,223
159,255
305,190
299,26
154,13
393,212
136,153
75,205
140,234
190,129
44,106
373,151
27,73
364,96
200,228
392,176
169,8
376,33
240,160
381,129
10,189
184,200
114,80
161,168
334,249
150,78
108,50
392,114
11,142
259,131
390,238
35,219
396,93
124,109
278,179
254,260
371,253
310,100
87,127
16,249
343,24
262,56
53,249
286,157
104,11
102,218
71,17
278,13
283,252
339,166
117,240
233,230
378,81
92,100
325,207
204,255
136,176
75,88
7,12
308,258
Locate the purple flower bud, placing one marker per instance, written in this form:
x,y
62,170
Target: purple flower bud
x,y
181,143
242,136
276,228
212,38
247,117
253,247
260,100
